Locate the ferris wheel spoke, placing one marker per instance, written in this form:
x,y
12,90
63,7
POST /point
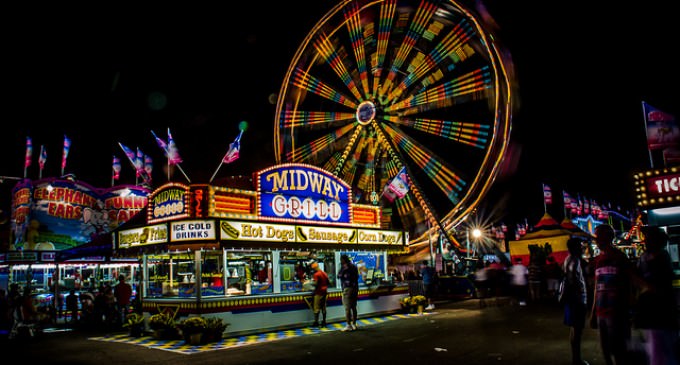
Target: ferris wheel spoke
x,y
305,81
454,47
417,27
477,81
331,56
471,134
449,182
384,25
354,31
309,150
292,118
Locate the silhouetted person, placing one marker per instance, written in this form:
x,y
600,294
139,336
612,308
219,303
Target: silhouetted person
x,y
657,314
575,297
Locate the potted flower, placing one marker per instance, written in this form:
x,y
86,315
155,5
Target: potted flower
x,y
192,329
413,304
134,322
163,326
214,328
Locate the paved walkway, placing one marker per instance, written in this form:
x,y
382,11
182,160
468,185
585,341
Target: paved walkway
x,y
180,346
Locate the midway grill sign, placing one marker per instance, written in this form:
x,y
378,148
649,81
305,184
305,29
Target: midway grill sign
x,y
303,192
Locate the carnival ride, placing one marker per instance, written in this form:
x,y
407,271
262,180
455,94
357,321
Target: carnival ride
x,y
377,86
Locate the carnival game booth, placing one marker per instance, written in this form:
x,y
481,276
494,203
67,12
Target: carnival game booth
x,y
244,254
549,235
52,216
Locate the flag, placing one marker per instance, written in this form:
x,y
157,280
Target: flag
x,y
148,165
43,157
566,199
67,147
233,152
399,185
29,152
547,194
139,163
172,152
116,167
662,128
389,194
161,143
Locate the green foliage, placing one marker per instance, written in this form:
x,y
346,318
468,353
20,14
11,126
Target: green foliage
x,y
134,320
161,321
192,325
215,324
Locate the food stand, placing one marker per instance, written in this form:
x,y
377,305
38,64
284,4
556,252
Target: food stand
x,y
243,254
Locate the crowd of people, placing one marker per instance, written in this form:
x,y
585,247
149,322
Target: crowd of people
x,y
105,307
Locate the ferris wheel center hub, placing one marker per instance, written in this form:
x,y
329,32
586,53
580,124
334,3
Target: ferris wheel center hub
x,y
365,112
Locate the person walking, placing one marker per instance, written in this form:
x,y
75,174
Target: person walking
x,y
320,279
657,314
519,282
611,309
429,275
349,280
72,305
123,292
575,297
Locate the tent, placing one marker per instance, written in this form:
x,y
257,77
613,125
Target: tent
x,y
546,232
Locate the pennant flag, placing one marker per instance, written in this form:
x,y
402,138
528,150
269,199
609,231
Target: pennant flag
x,y
233,152
29,152
389,194
43,157
662,128
547,194
161,143
567,199
399,185
172,152
128,152
116,167
148,165
139,163
67,147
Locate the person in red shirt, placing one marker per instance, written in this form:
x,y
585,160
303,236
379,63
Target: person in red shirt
x,y
320,279
123,292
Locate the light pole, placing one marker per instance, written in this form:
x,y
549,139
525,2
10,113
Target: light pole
x,y
476,233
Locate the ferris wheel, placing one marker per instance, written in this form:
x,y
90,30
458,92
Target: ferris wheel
x,y
378,87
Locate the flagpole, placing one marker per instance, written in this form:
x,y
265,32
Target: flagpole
x,y
644,118
545,206
242,127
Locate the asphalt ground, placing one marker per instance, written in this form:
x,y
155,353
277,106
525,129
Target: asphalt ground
x,y
455,332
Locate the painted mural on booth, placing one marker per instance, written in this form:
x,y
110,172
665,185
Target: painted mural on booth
x,y
56,214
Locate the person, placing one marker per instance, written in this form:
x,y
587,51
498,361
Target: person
x,y
123,292
610,312
321,282
349,280
535,277
518,281
428,274
72,305
553,275
575,297
656,313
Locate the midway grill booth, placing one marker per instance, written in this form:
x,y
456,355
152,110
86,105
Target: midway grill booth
x,y
244,254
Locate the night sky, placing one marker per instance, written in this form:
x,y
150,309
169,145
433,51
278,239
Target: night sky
x,y
104,76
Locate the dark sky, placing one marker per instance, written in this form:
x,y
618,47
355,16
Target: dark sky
x,y
92,73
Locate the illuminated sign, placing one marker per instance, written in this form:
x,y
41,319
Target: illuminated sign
x,y
192,231
657,188
168,202
55,214
303,192
148,235
265,232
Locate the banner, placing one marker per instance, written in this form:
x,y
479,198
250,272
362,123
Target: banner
x,y
662,129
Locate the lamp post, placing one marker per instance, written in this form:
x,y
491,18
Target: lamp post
x,y
476,233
